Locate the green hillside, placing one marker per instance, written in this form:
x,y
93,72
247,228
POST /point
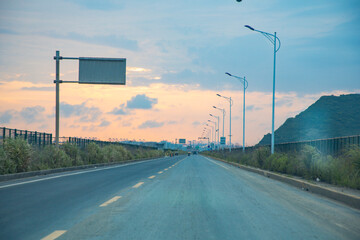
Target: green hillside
x,y
328,117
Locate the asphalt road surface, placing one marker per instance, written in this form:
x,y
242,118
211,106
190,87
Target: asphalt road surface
x,y
169,198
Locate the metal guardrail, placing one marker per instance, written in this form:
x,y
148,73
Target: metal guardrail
x,y
32,137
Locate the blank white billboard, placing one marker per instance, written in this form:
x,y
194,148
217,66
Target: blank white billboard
x,y
102,70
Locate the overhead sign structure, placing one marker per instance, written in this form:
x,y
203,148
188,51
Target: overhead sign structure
x,y
102,70
91,71
182,141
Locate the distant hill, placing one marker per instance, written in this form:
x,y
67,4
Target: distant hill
x,y
328,117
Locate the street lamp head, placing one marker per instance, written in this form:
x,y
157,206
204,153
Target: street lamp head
x,y
251,28
218,95
211,114
228,74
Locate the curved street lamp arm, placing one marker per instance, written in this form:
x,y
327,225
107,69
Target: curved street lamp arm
x,y
267,35
241,79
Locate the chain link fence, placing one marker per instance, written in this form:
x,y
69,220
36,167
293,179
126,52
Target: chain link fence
x,y
82,143
331,146
32,137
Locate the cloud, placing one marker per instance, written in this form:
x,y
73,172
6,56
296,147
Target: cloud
x,y
87,114
38,88
106,40
196,123
5,117
98,5
252,108
172,122
104,123
7,31
151,124
141,101
32,114
126,124
120,110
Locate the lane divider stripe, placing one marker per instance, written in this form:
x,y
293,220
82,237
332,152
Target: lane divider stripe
x,y
160,172
114,199
54,235
151,177
138,184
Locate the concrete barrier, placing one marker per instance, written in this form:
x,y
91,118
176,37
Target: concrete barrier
x,y
14,176
350,200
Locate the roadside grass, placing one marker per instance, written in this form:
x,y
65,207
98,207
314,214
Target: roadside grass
x,y
309,163
16,155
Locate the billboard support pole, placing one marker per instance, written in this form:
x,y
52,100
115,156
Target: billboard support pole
x,y
106,71
57,58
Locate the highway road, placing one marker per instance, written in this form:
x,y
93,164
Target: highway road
x,y
169,198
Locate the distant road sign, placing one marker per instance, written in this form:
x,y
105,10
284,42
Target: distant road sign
x,y
102,70
182,141
222,140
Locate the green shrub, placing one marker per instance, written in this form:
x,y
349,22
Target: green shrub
x,y
18,152
94,154
260,155
6,165
51,157
115,153
280,163
74,152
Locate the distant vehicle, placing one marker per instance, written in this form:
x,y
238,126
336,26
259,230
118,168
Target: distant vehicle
x,y
194,152
176,154
189,153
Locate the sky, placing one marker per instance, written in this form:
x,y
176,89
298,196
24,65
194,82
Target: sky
x,y
177,53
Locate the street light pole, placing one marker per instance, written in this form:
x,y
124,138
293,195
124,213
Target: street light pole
x,y
215,132
57,99
223,112
272,38
231,103
245,83
212,132
218,131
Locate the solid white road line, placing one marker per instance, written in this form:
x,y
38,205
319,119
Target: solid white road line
x,y
71,174
217,163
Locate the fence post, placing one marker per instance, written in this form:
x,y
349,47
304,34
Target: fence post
x,y
35,137
3,136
